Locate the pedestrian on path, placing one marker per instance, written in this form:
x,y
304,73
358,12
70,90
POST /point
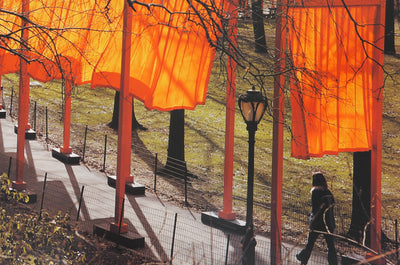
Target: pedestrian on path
x,y
322,220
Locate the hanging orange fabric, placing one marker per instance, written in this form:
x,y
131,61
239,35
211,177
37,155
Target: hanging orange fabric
x,y
56,40
9,26
171,55
333,81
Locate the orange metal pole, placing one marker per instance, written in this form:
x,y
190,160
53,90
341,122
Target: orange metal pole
x,y
226,213
65,148
376,152
23,110
124,126
376,159
277,147
1,90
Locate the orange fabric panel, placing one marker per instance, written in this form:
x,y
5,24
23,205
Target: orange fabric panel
x,y
171,58
60,52
9,26
333,80
54,45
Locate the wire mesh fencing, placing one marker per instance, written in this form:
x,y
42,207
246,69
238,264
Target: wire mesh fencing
x,y
170,236
174,181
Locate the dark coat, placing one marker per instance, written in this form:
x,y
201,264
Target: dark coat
x,y
322,210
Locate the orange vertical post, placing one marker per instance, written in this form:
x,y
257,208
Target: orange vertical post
x,y
376,159
65,148
2,110
23,110
226,213
277,146
376,152
124,125
1,91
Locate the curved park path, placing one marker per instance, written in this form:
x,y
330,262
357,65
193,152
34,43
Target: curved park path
x,y
148,215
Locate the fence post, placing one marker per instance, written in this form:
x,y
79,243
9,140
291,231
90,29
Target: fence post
x,y
47,125
173,239
12,96
186,180
121,215
44,188
155,172
105,153
211,245
2,96
34,117
9,167
396,239
80,203
84,145
227,249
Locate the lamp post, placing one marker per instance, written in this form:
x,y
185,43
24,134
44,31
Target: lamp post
x,y
252,106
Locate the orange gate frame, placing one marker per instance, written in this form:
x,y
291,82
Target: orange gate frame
x,y
23,110
277,141
124,126
227,213
376,120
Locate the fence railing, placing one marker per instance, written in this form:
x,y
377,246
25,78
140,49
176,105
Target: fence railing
x,y
97,148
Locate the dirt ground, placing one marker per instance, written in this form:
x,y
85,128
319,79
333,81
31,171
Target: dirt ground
x,y
97,250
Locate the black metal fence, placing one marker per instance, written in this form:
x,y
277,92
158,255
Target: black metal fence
x,y
182,183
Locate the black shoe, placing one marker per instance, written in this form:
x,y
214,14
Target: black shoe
x,y
300,259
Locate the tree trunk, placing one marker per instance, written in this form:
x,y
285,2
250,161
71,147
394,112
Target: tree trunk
x,y
176,164
114,121
361,205
389,28
258,26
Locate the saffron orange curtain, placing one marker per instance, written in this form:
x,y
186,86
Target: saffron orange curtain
x,y
171,56
333,54
57,44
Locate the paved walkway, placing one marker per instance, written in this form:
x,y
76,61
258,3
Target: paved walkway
x,y
147,215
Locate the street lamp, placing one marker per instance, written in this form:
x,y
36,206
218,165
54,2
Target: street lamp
x,y
252,106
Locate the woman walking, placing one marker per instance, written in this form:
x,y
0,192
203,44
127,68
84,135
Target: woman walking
x,y
321,219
